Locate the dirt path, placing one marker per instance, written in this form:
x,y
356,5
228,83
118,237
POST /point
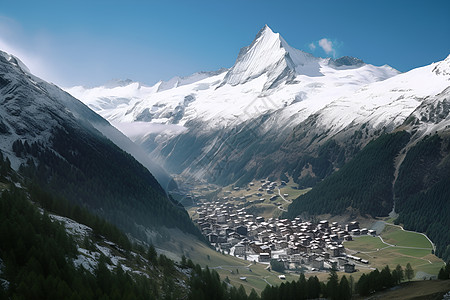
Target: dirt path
x,y
432,244
394,246
279,193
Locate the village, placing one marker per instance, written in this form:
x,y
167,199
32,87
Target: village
x,y
294,244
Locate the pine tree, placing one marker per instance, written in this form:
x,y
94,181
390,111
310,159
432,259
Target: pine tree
x,y
444,272
386,279
152,256
344,289
398,274
313,287
352,284
362,286
333,286
409,272
253,295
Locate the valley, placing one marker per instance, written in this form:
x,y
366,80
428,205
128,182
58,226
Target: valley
x,y
285,175
362,136
388,244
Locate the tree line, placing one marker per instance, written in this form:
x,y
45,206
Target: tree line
x,y
422,190
37,255
364,183
90,171
444,272
377,281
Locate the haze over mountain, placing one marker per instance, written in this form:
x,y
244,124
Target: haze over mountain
x,y
57,143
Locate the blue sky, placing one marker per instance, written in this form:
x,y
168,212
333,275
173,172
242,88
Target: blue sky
x,y
90,42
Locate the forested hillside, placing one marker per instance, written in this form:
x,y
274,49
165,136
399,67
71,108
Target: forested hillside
x,y
90,171
37,255
422,191
66,149
363,184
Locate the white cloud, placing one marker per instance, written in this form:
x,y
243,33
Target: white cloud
x,y
327,46
138,129
312,46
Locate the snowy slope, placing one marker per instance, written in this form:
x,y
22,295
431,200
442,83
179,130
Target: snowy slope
x,y
270,55
273,85
390,102
268,75
31,109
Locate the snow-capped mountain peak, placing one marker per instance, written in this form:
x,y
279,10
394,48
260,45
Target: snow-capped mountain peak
x,y
15,61
271,89
443,67
270,55
268,75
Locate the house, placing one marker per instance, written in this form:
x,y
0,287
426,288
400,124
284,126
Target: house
x,y
264,257
228,230
221,239
324,223
239,249
256,247
334,251
292,250
352,225
242,230
318,263
333,264
342,261
355,232
259,219
221,219
225,246
213,238
265,249
349,268
341,234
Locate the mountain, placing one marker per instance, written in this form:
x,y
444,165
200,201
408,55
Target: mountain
x,y
271,56
45,255
57,143
277,112
281,113
193,128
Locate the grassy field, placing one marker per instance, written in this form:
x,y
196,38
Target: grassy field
x,y
426,289
380,254
394,235
257,277
293,193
